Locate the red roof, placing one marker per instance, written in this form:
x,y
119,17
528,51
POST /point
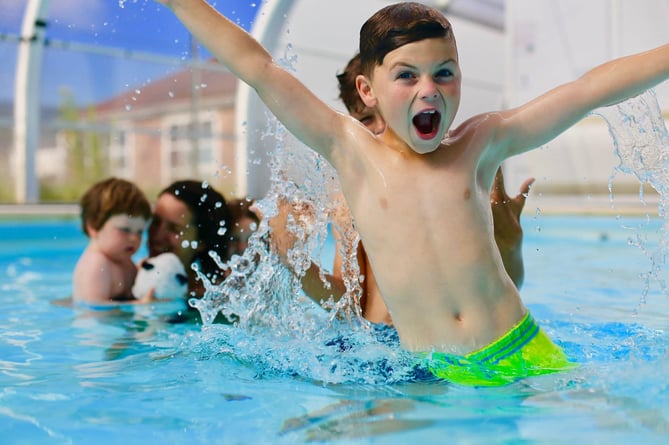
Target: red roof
x,y
173,88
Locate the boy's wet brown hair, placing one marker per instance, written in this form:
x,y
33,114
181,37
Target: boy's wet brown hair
x,y
348,93
110,197
395,26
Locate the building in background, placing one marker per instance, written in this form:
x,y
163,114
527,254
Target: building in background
x,y
180,126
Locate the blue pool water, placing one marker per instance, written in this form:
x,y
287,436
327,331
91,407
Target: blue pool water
x,y
126,376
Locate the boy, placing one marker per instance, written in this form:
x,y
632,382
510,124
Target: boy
x,y
114,214
505,211
447,293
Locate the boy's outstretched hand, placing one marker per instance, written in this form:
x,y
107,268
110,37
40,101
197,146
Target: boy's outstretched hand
x,y
506,221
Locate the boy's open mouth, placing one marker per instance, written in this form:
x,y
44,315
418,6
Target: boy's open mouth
x,y
427,123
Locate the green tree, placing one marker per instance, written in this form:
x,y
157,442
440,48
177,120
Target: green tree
x,y
85,159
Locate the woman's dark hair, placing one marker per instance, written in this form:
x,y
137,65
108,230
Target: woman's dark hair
x,y
211,217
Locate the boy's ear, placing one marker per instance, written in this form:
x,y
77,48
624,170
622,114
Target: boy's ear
x,y
92,233
365,91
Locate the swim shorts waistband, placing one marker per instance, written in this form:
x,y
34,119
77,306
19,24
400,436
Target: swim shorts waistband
x,y
524,351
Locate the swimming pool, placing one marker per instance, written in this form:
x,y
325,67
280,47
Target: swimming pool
x,y
124,376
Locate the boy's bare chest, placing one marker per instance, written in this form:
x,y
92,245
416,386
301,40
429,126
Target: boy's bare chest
x,y
404,209
399,188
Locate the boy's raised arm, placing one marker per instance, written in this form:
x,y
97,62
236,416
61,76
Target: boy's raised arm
x,y
537,122
306,116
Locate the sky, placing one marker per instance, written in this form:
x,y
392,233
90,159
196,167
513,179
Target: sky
x,y
136,25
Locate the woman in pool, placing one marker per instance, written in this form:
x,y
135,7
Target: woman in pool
x,y
190,218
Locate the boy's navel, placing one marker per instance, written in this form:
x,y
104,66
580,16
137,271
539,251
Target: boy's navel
x,y
467,194
383,202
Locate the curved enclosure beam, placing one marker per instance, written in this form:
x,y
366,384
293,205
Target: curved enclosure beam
x,y
26,103
250,114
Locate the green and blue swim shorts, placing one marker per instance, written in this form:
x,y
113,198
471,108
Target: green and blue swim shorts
x,y
524,351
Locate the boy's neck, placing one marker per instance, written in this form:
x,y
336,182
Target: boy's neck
x,y
397,144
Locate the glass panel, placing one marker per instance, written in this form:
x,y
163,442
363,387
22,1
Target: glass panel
x,y
112,74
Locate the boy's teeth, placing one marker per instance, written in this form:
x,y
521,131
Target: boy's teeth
x,y
427,122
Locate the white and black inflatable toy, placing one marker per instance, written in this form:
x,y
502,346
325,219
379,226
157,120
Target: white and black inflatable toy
x,y
165,273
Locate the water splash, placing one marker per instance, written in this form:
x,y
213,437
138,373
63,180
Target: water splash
x,y
264,298
641,142
277,329
259,290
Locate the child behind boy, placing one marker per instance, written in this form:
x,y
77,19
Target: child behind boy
x,y
114,214
422,188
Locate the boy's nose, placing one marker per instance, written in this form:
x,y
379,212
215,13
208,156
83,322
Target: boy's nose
x,y
429,90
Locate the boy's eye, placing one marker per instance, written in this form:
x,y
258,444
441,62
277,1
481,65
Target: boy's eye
x,y
444,73
129,230
405,75
366,120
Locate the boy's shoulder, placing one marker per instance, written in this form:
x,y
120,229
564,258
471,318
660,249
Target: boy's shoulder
x,y
480,127
479,122
93,261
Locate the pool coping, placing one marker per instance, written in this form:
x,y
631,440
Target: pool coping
x,y
626,204
603,204
39,210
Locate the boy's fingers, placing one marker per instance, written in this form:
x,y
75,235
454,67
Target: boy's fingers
x,y
149,296
255,209
525,187
499,181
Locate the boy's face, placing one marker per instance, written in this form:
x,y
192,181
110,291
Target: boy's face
x,y
241,232
120,236
417,91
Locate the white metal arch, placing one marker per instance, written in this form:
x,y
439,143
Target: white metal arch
x,y
249,114
26,101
